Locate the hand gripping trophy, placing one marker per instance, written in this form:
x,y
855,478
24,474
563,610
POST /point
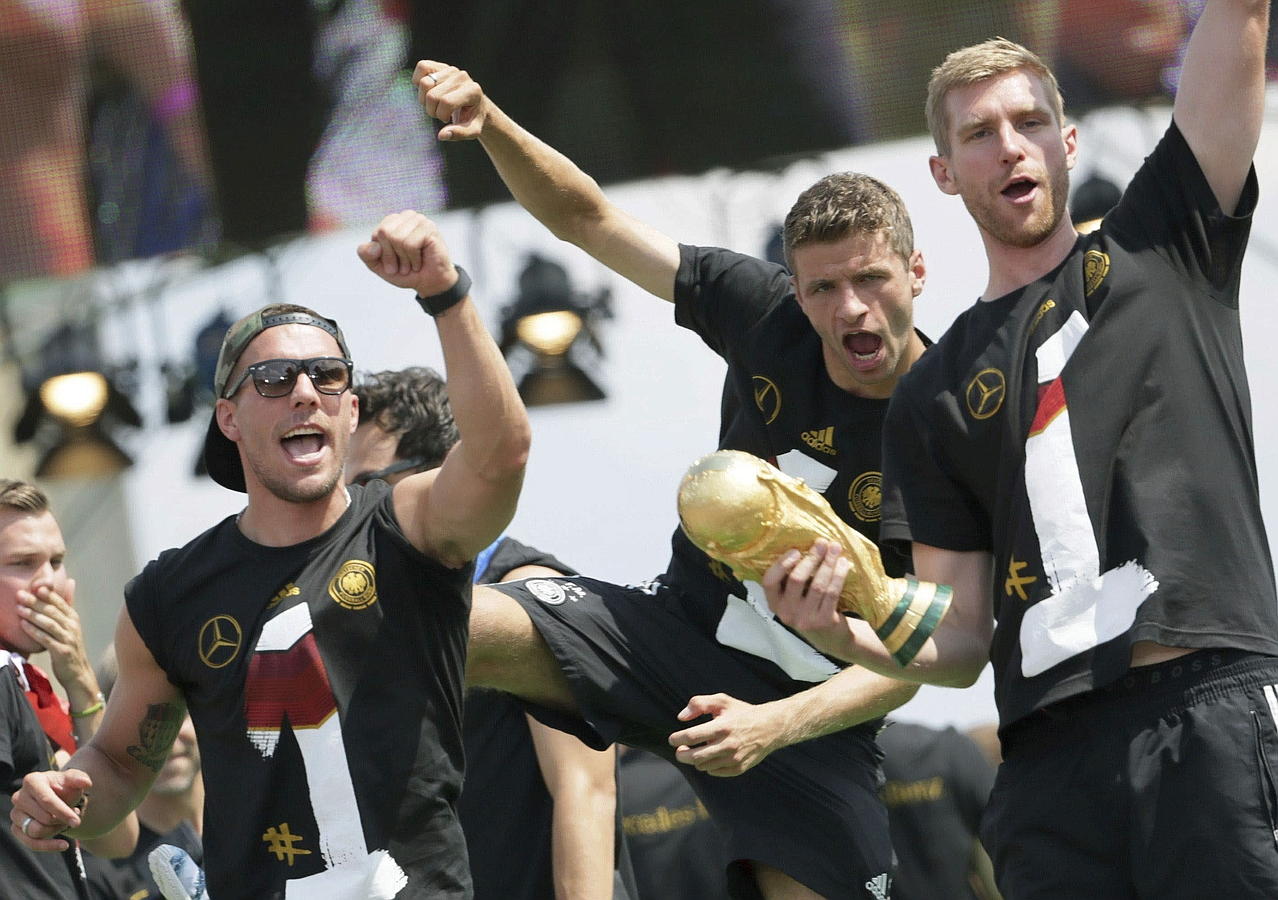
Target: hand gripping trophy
x,y
745,513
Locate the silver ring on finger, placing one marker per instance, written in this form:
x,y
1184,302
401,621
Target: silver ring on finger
x,y
433,79
25,823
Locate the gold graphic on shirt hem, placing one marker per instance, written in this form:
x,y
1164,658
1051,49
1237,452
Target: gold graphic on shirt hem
x,y
282,842
865,496
1016,581
985,393
355,585
219,641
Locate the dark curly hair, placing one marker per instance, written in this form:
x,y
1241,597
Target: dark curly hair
x,y
413,404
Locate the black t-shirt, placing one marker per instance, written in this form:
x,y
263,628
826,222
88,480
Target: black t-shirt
x,y
779,404
266,644
23,749
1092,430
937,785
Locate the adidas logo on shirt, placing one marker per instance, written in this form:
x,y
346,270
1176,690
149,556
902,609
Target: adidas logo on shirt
x,y
822,439
878,886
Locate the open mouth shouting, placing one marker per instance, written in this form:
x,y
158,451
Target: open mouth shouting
x,y
864,349
304,444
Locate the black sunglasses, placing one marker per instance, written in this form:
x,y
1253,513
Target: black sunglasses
x,y
276,377
413,462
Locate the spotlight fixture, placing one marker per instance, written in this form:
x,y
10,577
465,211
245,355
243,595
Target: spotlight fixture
x,y
549,339
72,406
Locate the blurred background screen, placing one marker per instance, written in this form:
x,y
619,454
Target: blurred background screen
x,y
130,128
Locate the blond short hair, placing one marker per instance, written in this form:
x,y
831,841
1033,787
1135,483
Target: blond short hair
x,y
21,496
848,203
977,63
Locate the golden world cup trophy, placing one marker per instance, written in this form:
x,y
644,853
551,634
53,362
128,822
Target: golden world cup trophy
x,y
746,513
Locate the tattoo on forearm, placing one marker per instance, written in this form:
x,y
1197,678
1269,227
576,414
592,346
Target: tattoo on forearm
x,y
155,735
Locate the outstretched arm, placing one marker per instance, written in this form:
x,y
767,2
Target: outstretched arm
x,y
741,735
110,775
455,511
548,184
803,590
1221,98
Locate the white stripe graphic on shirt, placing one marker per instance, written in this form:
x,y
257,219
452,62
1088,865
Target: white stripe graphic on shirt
x,y
751,626
1086,607
798,464
352,870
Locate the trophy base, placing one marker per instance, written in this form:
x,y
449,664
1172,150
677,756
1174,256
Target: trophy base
x,y
914,618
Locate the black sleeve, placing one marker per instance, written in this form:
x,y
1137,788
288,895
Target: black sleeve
x,y
511,554
139,600
720,294
1170,208
922,500
10,695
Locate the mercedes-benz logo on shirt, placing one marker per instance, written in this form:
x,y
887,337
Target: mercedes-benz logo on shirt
x,y
219,641
985,393
767,396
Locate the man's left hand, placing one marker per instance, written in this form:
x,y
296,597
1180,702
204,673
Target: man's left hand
x,y
738,737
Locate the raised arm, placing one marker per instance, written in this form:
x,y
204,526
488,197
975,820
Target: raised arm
x,y
548,184
453,512
1221,98
803,590
114,770
740,735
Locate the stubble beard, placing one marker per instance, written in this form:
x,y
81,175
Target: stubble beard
x,y
295,493
1031,232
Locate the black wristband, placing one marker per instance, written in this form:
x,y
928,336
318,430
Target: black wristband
x,y
437,304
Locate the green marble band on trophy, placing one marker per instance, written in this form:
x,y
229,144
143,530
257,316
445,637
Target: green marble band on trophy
x,y
746,513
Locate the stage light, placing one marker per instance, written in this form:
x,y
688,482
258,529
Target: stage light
x,y
72,405
77,398
550,332
548,337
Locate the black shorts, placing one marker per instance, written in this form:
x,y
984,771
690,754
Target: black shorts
x,y
634,657
1160,785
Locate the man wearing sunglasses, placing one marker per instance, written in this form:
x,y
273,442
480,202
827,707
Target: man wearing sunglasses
x,y
317,638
